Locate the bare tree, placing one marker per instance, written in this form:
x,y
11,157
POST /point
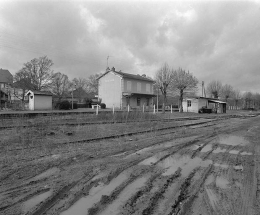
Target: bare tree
x,y
257,100
214,88
39,72
92,83
248,97
183,81
22,83
227,91
60,85
164,78
79,83
236,96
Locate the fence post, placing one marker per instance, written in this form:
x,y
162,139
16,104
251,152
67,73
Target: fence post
x,y
171,108
154,109
143,108
97,110
113,109
128,108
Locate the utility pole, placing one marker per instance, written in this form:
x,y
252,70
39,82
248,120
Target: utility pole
x,y
202,88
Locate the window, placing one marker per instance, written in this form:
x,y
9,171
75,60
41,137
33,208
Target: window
x,y
138,101
147,101
148,88
138,87
128,85
188,103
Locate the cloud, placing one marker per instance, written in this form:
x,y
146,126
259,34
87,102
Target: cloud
x,y
215,40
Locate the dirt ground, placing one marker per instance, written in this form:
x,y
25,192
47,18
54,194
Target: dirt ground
x,y
195,166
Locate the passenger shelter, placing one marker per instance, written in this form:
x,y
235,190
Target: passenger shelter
x,y
39,100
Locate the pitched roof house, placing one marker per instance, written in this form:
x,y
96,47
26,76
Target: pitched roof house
x,y
121,89
6,79
5,76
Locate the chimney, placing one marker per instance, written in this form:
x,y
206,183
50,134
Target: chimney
x,y
107,69
113,69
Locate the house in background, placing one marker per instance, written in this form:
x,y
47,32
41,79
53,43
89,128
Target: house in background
x,y
121,89
6,80
39,100
203,104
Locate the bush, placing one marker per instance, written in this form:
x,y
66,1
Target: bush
x,y
103,105
64,105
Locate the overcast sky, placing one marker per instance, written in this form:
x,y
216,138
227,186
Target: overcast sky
x,y
215,40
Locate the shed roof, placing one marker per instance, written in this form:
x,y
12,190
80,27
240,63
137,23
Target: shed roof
x,y
127,75
36,92
5,76
214,100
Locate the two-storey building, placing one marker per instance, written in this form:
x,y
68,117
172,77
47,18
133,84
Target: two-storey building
x,y
6,79
121,89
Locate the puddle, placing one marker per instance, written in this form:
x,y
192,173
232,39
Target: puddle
x,y
45,174
196,147
239,167
187,164
222,182
153,159
246,153
211,195
218,150
224,166
29,204
209,179
114,207
233,140
235,152
81,206
207,148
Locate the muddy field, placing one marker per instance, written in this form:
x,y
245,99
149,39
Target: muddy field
x,y
204,164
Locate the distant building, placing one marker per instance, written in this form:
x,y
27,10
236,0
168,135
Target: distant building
x,y
202,104
39,100
122,89
6,80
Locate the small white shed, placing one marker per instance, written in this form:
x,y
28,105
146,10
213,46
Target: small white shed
x,y
201,104
39,100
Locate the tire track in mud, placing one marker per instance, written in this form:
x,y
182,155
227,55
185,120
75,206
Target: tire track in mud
x,y
101,204
178,148
106,200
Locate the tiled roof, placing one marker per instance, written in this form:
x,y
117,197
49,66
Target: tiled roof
x,y
127,75
5,76
132,76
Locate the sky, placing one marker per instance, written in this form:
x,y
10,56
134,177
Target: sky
x,y
213,40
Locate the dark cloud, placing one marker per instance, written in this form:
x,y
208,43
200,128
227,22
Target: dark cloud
x,y
213,39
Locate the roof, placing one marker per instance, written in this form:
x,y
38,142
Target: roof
x,y
5,76
210,99
217,101
127,75
36,92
